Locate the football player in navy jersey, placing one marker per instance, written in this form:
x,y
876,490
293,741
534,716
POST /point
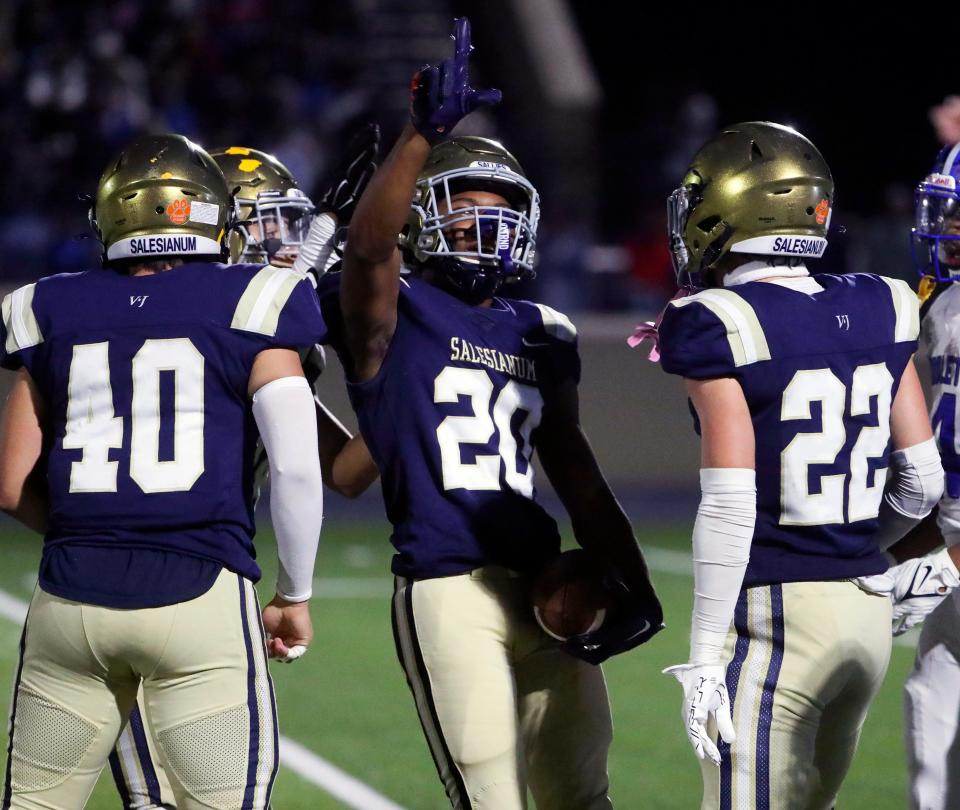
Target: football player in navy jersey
x,y
454,387
805,396
140,392
277,223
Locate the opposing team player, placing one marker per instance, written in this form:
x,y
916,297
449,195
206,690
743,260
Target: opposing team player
x,y
454,388
150,380
932,693
277,223
805,395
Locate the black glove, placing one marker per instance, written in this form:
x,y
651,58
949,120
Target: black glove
x,y
351,175
636,618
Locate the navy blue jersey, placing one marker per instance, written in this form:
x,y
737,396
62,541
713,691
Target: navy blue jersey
x,y
145,384
450,420
819,372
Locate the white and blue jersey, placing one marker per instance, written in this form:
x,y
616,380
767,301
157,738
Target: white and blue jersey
x,y
451,419
150,462
940,338
819,370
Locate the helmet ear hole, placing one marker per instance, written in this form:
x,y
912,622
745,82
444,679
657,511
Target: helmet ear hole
x,y
708,224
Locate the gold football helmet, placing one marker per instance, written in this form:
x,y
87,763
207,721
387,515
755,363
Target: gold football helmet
x,y
756,188
161,196
273,215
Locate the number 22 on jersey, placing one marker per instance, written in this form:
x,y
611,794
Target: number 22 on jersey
x,y
93,427
484,472
800,507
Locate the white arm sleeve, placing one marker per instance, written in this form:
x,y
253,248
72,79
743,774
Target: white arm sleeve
x,y
721,548
913,489
317,248
286,416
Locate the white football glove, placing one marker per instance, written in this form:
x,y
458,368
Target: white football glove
x,y
915,587
704,694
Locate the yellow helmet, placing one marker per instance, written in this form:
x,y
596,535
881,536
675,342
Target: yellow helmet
x,y
757,188
161,196
274,215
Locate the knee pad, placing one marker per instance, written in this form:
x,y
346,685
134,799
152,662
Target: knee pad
x,y
209,756
50,741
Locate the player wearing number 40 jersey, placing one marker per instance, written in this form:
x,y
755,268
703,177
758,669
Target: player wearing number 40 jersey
x,y
454,388
805,396
273,218
133,400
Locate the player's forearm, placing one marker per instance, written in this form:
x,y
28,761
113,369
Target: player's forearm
x,y
345,461
722,536
22,488
353,469
30,509
286,417
385,205
331,438
601,526
919,541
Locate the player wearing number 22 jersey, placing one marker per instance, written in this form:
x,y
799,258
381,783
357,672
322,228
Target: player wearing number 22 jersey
x,y
148,382
805,396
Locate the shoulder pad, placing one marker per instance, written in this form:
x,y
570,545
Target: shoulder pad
x,y
906,305
263,300
19,321
556,324
744,334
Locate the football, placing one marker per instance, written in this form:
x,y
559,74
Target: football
x,y
569,597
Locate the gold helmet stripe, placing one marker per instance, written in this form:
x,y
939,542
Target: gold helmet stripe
x,y
23,331
907,308
744,334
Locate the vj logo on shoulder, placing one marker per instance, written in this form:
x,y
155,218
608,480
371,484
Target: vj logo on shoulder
x,y
138,300
843,322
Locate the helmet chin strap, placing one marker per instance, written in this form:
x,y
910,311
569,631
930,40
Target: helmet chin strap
x,y
469,283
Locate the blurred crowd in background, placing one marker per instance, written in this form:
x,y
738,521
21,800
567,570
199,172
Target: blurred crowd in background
x,y
294,77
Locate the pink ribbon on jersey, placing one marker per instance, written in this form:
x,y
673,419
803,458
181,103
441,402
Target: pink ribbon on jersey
x,y
650,330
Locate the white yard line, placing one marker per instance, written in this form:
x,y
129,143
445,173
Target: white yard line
x,y
337,783
302,761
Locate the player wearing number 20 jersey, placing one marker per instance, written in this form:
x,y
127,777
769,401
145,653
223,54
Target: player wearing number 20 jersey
x,y
449,420
453,387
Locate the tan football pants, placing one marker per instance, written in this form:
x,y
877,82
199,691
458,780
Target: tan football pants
x,y
502,707
806,659
206,691
138,771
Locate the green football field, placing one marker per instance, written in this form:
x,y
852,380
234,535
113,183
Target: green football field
x,y
347,700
